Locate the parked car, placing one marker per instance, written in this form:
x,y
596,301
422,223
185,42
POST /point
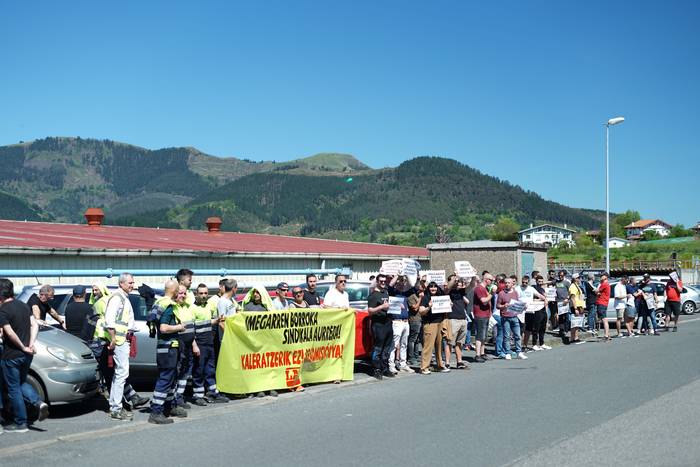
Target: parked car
x,y
63,369
141,366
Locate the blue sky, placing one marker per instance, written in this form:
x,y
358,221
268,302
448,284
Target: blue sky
x,y
517,89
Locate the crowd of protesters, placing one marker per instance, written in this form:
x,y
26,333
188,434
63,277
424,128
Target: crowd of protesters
x,y
188,324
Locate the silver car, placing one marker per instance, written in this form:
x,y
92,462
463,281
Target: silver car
x,y
690,301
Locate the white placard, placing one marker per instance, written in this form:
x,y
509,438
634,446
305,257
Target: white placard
x,y
563,308
516,307
437,276
551,294
409,267
465,269
674,276
576,322
396,305
392,267
534,306
651,305
441,304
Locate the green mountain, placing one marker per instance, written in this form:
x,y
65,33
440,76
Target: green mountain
x,y
326,195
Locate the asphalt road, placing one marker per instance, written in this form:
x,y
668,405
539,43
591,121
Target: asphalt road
x,y
625,402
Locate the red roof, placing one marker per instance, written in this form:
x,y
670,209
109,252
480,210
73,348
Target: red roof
x,y
79,236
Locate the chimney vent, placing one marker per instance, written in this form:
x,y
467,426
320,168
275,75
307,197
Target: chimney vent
x,y
214,224
94,216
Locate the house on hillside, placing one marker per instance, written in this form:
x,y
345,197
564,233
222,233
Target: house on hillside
x,y
617,242
696,228
546,235
635,230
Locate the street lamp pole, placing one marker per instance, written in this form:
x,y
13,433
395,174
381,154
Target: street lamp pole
x,y
612,121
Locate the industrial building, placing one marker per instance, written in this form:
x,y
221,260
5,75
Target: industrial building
x,y
41,246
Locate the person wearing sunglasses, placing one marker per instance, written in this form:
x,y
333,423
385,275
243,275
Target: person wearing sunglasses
x,y
280,302
298,298
337,297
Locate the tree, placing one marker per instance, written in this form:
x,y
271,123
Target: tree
x,y
679,231
506,228
650,235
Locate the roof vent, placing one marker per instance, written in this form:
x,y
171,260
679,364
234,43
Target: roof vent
x,y
213,224
94,216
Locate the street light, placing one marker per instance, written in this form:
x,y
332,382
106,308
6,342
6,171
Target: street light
x,y
611,122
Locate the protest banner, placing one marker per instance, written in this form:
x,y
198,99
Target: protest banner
x,y
465,269
563,308
282,349
515,307
392,267
577,321
396,305
441,304
437,276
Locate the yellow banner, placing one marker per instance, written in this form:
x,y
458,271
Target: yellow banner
x,y
282,349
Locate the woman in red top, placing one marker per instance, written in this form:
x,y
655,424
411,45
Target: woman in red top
x,y
673,302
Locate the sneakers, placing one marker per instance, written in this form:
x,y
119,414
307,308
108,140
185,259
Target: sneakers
x,y
200,402
480,359
121,415
406,369
522,356
389,374
43,411
378,374
159,419
444,369
273,393
546,347
622,336
536,348
179,412
299,388
14,428
675,329
425,371
461,365
138,401
508,357
260,394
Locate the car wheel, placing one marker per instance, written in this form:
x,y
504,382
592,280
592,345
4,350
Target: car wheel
x,y
688,308
660,319
34,382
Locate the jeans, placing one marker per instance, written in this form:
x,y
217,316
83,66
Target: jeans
x,y
414,341
591,317
383,341
15,375
121,372
499,335
649,315
511,326
468,341
400,339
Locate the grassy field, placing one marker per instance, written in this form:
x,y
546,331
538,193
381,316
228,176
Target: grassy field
x,y
657,250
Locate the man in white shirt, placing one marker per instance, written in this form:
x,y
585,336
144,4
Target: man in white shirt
x,y
620,294
280,302
226,306
119,320
337,297
527,294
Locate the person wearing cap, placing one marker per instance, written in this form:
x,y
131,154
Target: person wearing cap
x,y
77,312
298,298
280,302
577,303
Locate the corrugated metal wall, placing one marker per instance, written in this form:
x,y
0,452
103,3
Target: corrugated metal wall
x,y
362,269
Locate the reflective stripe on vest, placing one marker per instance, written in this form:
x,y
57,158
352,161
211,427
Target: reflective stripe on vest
x,y
121,326
185,316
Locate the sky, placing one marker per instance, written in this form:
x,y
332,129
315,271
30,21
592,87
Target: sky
x,y
517,89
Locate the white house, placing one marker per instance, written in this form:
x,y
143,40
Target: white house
x,y
546,234
636,229
617,242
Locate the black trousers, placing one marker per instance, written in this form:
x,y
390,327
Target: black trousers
x,y
540,325
383,336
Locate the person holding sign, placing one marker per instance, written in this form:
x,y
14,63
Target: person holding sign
x,y
432,334
539,325
527,294
482,314
620,294
647,307
509,318
561,287
382,333
577,303
399,291
457,288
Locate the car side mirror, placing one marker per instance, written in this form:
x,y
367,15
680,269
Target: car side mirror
x,y
684,290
